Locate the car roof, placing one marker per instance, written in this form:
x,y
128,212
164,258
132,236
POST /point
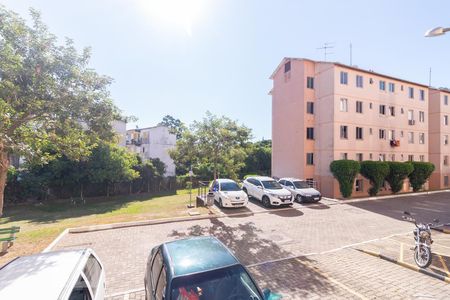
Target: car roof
x,y
39,276
197,254
225,180
291,179
261,178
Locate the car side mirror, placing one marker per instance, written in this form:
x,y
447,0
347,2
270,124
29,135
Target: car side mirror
x,y
436,220
260,187
407,213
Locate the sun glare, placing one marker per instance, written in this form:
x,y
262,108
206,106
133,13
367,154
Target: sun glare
x,y
178,13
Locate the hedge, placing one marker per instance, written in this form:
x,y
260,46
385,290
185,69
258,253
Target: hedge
x,y
345,172
376,172
398,172
422,171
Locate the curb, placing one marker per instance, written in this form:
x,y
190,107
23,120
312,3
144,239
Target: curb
x,y
443,230
343,201
55,241
406,265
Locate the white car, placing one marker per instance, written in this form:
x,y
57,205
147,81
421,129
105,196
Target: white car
x,y
227,193
267,190
300,189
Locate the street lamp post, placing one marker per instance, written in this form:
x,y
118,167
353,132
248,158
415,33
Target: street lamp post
x,y
436,31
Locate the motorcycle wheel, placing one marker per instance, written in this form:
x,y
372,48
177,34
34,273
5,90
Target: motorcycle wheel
x,y
422,256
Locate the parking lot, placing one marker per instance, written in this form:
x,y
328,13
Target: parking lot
x,y
307,251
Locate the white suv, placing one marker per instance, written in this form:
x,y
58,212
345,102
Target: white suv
x,y
227,193
300,189
267,190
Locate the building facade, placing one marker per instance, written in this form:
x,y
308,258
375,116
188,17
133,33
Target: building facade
x,y
324,111
153,142
119,127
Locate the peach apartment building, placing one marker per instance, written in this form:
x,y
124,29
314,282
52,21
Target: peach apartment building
x,y
439,128
323,111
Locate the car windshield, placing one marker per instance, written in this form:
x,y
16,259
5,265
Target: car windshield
x,y
271,185
229,187
301,184
227,283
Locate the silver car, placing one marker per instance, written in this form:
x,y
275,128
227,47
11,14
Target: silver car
x,y
300,190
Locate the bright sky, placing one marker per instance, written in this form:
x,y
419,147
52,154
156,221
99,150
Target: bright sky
x,y
183,57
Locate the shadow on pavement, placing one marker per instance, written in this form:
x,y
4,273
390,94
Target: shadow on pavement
x,y
231,212
288,277
317,205
286,213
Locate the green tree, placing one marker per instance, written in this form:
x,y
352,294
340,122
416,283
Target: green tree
x,y
48,95
398,172
215,145
259,158
422,171
345,172
175,125
376,172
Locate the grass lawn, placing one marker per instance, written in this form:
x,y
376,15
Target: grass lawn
x,y
40,224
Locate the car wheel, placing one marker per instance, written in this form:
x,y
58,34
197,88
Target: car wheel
x,y
298,198
220,203
266,201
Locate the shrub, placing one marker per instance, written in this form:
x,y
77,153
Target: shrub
x,y
345,172
422,171
376,172
398,171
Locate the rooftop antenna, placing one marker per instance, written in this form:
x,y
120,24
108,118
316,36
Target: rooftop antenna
x,y
429,79
325,47
351,54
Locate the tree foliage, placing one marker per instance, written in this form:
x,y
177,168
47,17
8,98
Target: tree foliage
x,y
48,95
422,171
345,172
398,172
175,125
215,145
259,158
376,172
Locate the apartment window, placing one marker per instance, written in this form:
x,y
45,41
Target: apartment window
x,y
310,158
422,158
359,107
287,67
391,134
359,156
410,115
421,116
382,157
422,95
411,92
310,82
343,105
383,109
410,157
310,107
382,85
446,101
370,105
446,180
359,81
382,134
370,131
359,133
359,185
143,149
344,132
344,78
445,139
391,87
392,157
392,110
310,133
344,156
401,133
401,157
445,160
446,120
411,137
421,138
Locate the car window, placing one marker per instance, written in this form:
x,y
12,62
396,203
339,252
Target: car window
x,y
271,185
156,268
301,184
282,182
289,184
92,271
229,187
215,186
80,290
161,285
258,183
226,283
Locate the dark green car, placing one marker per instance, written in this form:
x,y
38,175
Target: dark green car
x,y
199,268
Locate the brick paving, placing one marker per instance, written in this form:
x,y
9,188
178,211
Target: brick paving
x,y
310,231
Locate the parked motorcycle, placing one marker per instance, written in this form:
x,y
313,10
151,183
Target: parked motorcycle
x,y
423,241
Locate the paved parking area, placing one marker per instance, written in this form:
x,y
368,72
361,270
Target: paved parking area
x,y
302,252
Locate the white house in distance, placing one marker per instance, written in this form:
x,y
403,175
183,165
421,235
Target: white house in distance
x,y
120,128
153,142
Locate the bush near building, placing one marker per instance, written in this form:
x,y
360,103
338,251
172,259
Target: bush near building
x,y
398,172
345,172
422,171
375,172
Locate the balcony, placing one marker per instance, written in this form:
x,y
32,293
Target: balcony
x,y
394,143
411,122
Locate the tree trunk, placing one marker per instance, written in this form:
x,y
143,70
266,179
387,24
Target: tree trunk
x,y
4,165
